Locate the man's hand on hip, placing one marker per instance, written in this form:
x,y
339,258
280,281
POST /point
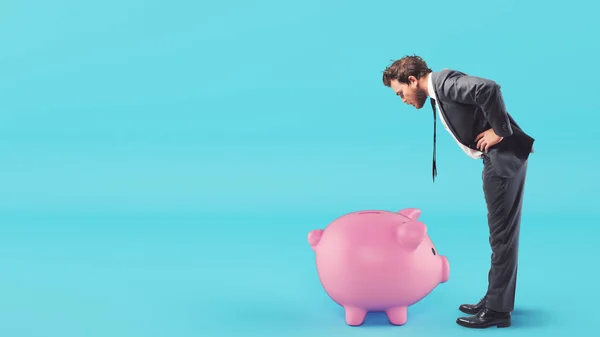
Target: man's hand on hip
x,y
487,139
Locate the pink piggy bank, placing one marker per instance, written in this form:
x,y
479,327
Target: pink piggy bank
x,y
377,261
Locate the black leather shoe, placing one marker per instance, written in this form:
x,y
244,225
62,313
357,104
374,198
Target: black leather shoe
x,y
472,309
486,318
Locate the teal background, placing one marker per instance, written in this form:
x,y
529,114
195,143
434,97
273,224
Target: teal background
x,y
161,163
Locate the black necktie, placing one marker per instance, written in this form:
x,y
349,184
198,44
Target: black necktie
x,y
434,168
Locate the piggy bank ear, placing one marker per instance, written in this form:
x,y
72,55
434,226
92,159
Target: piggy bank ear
x,y
314,237
411,213
411,234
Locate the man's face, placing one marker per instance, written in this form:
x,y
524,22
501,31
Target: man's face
x,y
410,93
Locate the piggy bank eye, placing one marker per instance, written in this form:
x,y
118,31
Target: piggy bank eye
x,y
433,251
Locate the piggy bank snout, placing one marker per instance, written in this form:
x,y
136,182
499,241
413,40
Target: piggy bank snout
x,y
445,269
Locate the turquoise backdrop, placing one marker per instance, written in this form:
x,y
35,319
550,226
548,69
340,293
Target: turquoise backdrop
x,y
162,162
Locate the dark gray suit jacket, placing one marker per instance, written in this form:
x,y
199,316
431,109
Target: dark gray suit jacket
x,y
471,105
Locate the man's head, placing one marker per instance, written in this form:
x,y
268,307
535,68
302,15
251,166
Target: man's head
x,y
408,78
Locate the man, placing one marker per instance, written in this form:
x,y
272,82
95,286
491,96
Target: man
x,y
472,110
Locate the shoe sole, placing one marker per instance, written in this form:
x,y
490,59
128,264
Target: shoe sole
x,y
498,325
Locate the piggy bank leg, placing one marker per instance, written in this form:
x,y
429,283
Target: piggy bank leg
x,y
355,316
397,315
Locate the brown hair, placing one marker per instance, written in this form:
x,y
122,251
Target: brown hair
x,y
400,70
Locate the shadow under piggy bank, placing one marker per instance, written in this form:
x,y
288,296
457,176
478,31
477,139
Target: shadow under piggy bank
x,y
416,314
373,318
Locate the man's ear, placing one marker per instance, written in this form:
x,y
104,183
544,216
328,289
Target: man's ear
x,y
412,81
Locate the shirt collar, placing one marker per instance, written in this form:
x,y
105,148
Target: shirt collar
x,y
430,87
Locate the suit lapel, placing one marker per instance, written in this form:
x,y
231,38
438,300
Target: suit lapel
x,y
440,100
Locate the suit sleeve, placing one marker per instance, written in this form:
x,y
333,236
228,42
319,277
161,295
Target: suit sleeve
x,y
483,92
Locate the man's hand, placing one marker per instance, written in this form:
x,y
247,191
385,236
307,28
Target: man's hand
x,y
487,139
